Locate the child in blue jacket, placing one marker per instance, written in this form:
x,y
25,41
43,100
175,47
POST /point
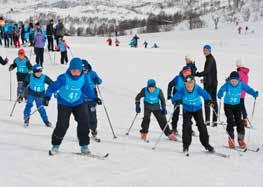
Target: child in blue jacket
x,y
190,97
36,91
72,86
174,86
23,66
62,47
93,80
232,90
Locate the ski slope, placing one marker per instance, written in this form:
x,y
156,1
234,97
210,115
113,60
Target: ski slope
x,y
24,159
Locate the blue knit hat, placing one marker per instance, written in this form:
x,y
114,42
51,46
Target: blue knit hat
x,y
86,65
234,75
208,47
37,68
151,83
75,63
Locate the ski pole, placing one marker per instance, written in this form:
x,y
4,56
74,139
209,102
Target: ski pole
x,y
50,58
127,133
10,86
30,54
252,114
12,111
34,112
219,109
167,124
71,52
105,109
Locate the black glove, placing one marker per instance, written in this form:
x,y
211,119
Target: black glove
x,y
177,103
138,108
46,101
210,103
98,100
11,67
169,97
197,74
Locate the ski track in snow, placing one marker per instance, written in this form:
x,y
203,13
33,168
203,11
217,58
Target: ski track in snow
x,y
24,156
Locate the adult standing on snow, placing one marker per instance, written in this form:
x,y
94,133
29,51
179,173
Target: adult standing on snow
x,y
210,83
59,30
39,44
50,35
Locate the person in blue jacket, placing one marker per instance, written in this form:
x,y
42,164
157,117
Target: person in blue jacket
x,y
36,91
153,96
190,97
231,91
23,66
93,80
71,87
6,31
174,86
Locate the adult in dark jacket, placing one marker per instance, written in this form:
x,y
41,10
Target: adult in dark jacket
x,y
50,35
59,31
210,83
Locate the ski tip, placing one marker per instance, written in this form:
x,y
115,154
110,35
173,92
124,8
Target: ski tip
x,y
106,155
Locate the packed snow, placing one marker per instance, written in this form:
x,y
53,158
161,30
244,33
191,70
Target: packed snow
x,y
24,155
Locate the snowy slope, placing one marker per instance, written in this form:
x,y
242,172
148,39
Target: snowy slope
x,y
23,154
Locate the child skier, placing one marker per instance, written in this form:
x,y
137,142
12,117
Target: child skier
x,y
174,86
190,97
191,64
117,42
243,74
233,89
23,66
109,41
36,91
62,47
93,80
71,87
152,98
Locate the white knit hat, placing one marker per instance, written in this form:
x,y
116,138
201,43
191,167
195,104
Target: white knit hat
x,y
189,57
239,62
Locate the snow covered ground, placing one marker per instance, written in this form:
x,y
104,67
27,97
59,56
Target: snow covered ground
x,y
24,159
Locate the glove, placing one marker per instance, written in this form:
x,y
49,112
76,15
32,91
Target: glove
x,y
98,100
210,103
20,96
138,108
256,94
46,101
6,61
164,111
11,68
169,97
197,74
177,103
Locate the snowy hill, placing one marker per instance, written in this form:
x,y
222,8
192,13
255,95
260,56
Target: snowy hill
x,y
24,151
95,13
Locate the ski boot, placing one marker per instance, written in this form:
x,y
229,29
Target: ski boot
x,y
186,151
242,144
54,150
26,122
245,122
84,149
210,149
231,143
144,136
172,137
48,124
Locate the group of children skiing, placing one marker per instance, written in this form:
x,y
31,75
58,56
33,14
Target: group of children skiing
x,y
183,90
75,91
